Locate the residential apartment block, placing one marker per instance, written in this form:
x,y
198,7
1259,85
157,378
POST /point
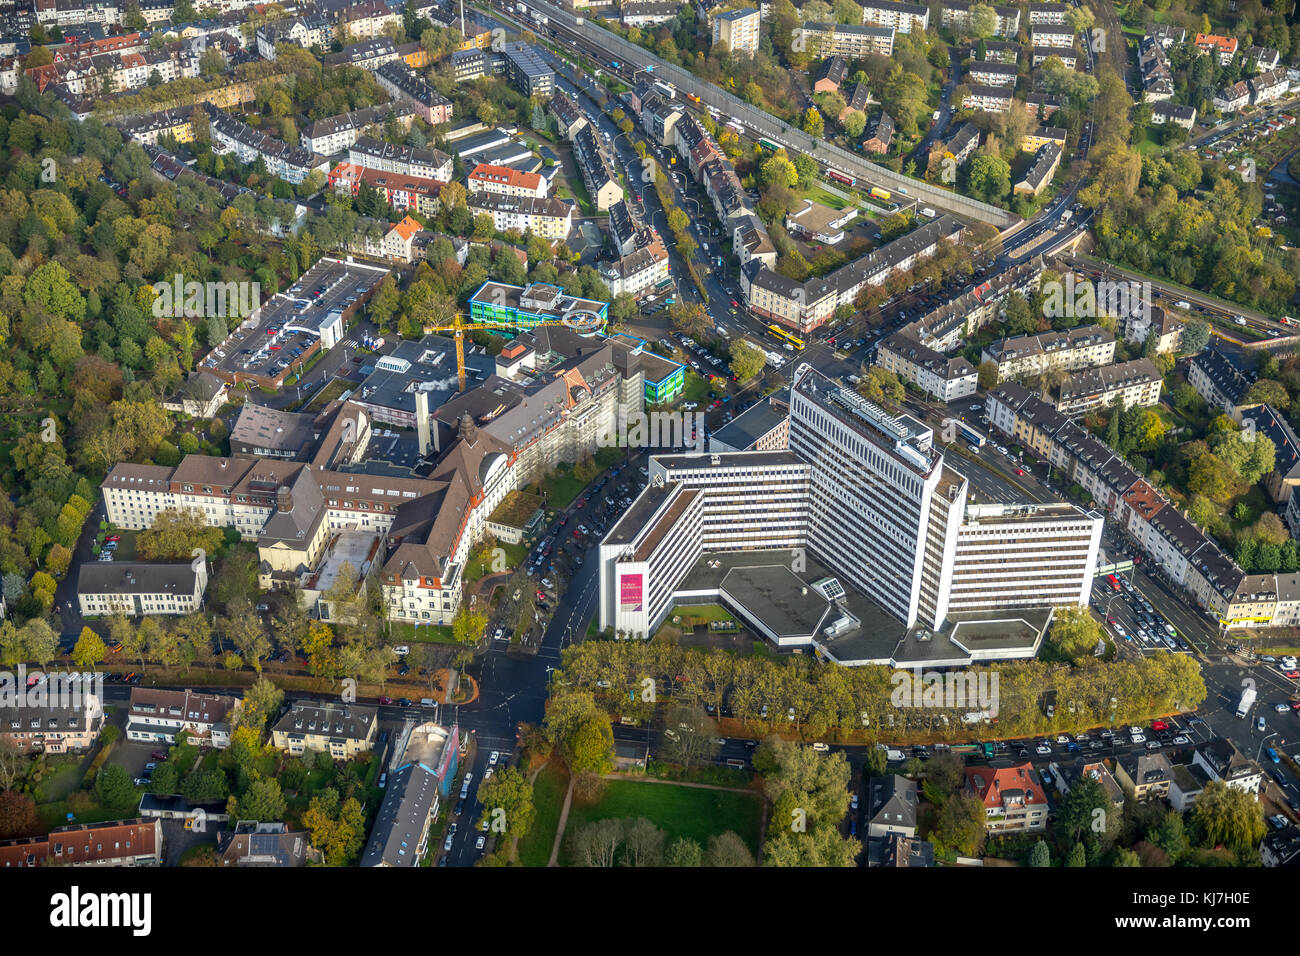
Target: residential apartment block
x,y
737,29
549,218
338,729
1136,383
1028,355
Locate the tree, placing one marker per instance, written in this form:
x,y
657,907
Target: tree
x,y
244,629
114,789
18,815
690,735
1074,633
590,747
507,800
683,852
727,849
643,843
175,534
262,801
336,827
988,375
813,124
262,702
989,177
12,763
747,360
1196,335
960,825
89,650
1228,816
1039,854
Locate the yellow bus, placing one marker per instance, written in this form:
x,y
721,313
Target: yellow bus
x,y
780,333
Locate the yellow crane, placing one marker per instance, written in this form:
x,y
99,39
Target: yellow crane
x,y
459,326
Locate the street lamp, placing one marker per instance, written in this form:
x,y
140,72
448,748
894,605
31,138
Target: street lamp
x,y
1261,745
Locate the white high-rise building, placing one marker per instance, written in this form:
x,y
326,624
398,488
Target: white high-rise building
x,y
866,496
873,476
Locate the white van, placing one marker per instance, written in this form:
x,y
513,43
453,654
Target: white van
x,y
893,755
401,650
427,702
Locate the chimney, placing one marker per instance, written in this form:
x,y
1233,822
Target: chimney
x,y
283,498
422,419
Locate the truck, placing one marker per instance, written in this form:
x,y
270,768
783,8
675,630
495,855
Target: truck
x,y
1065,219
973,750
928,213
1247,702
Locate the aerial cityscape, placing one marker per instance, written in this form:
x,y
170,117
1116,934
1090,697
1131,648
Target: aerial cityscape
x,y
642,433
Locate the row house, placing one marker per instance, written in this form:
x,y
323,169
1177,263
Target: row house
x,y
992,74
399,191
1056,38
333,134
806,305
988,99
949,325
947,379
72,13
1174,547
406,160
568,117
507,181
156,716
644,13
1165,112
1157,77
137,842
403,83
1130,384
1269,86
68,721
1219,382
850,41
1039,175
306,32
955,15
1262,58
640,272
293,164
902,17
1047,13
549,218
366,20
368,54
1029,355
597,168
1041,54
1234,98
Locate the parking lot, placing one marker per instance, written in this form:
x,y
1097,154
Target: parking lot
x,y
291,327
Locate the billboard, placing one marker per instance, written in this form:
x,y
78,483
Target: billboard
x,y
631,591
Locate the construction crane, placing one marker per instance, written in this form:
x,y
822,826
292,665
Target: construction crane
x,y
459,326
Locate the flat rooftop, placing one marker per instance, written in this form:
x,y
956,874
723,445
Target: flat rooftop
x,y
763,586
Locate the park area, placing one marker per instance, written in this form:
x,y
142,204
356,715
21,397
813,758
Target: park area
x,y
694,813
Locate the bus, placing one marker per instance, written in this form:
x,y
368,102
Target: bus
x,y
779,333
879,193
970,436
840,177
768,144
1113,582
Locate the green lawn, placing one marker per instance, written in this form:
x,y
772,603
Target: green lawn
x,y
548,799
480,565
407,632
689,812
695,388
702,612
560,490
